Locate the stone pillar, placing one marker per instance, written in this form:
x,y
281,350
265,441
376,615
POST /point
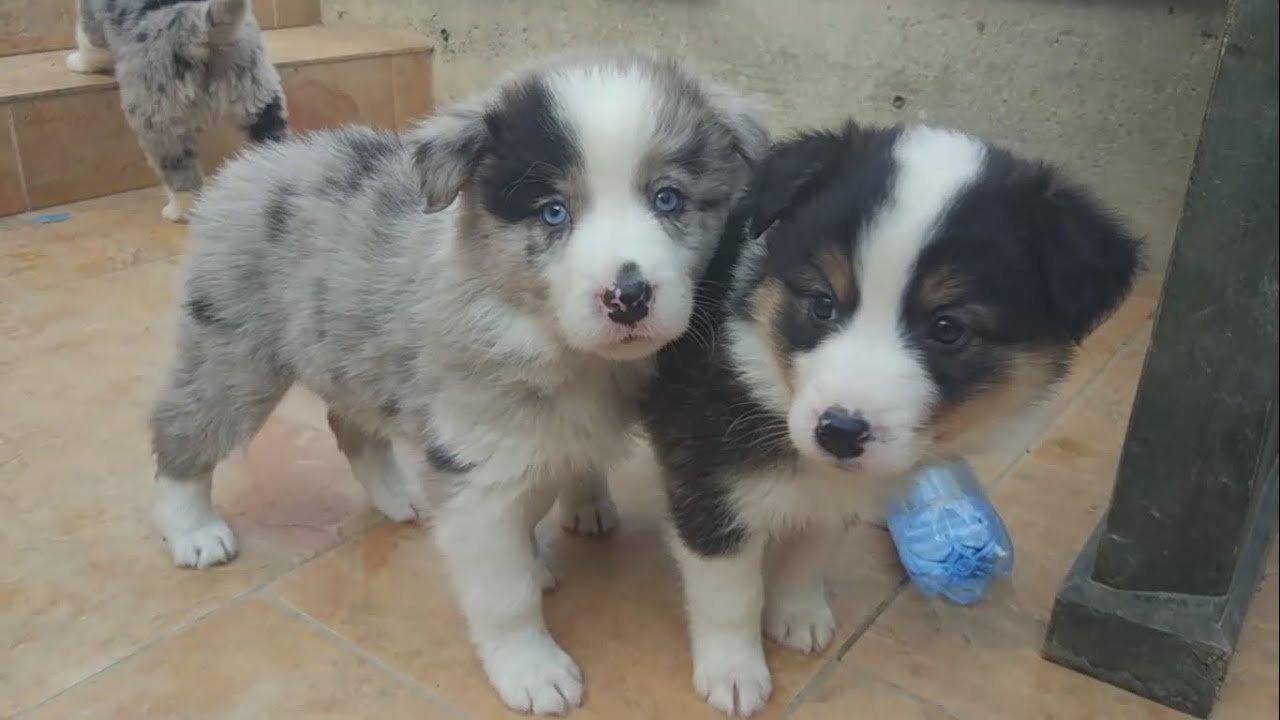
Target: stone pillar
x,y
1155,601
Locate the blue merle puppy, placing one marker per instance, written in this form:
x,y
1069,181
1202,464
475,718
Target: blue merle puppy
x,y
489,289
181,65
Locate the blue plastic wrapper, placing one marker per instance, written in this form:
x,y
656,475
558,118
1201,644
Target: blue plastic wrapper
x,y
950,539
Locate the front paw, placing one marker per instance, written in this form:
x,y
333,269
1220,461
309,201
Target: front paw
x,y
533,675
204,546
598,516
806,627
733,677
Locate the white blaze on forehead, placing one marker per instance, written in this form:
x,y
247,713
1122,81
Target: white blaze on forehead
x,y
932,168
612,111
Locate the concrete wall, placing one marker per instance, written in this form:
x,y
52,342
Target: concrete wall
x,y
1115,91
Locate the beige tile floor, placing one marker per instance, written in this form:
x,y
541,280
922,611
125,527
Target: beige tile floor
x,y
331,612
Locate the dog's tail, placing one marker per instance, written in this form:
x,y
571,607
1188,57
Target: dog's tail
x,y
224,18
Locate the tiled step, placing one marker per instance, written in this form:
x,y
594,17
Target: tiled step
x,y
63,136
28,26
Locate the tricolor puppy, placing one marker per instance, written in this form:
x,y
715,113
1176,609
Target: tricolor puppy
x,y
182,65
491,288
883,296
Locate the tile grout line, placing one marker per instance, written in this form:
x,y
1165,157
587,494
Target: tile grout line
x,y
346,644
156,640
166,635
838,656
17,157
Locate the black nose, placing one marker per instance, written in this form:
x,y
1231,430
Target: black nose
x,y
628,300
842,433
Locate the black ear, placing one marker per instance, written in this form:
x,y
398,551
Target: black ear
x,y
794,170
447,149
1088,257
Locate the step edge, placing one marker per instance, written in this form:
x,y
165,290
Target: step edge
x,y
109,83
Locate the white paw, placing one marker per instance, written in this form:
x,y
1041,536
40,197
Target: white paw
x,y
78,61
598,516
206,546
534,676
184,515
174,211
733,678
396,501
388,489
806,627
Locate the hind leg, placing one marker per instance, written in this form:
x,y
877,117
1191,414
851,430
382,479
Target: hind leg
x,y
178,162
217,399
373,463
91,54
170,140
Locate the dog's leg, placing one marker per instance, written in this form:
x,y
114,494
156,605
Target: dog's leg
x,y
484,532
216,400
180,170
174,156
373,462
724,596
586,507
796,613
91,54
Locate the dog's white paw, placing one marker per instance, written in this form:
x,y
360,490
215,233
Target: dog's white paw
x,y
806,626
174,211
396,501
598,516
388,488
80,62
534,676
178,209
206,546
76,63
398,507
733,678
183,514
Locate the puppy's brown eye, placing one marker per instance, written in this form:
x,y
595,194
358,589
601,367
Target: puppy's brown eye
x,y
822,307
946,330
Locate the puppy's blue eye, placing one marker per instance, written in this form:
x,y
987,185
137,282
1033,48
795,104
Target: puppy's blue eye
x,y
554,214
667,200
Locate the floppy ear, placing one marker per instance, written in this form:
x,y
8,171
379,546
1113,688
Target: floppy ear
x,y
796,169
744,117
1087,256
447,149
